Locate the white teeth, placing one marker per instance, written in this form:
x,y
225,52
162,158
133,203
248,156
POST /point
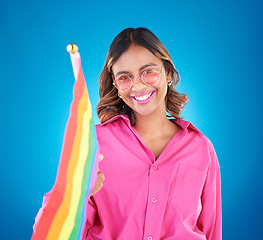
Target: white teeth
x,y
144,97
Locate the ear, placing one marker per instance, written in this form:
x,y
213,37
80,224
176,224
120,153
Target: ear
x,y
169,75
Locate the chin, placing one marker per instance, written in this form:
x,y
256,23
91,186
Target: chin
x,y
144,112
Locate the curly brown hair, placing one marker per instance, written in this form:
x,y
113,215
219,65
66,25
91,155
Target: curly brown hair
x,y
110,104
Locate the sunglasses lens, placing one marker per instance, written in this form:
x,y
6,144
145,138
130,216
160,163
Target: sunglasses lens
x,y
123,83
150,76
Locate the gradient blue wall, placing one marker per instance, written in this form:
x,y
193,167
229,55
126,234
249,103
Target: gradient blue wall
x,y
216,47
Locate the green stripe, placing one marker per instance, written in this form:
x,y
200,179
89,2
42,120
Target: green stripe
x,y
85,180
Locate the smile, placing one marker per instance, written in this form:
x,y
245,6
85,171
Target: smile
x,y
143,98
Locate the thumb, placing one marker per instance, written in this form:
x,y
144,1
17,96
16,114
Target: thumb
x,y
100,157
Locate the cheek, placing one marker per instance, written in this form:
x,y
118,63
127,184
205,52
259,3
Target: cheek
x,y
162,87
126,99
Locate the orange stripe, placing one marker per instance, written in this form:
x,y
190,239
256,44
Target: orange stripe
x,y
69,222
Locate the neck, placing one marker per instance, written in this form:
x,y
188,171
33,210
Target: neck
x,y
153,125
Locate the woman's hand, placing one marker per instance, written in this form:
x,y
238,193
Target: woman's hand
x,y
100,178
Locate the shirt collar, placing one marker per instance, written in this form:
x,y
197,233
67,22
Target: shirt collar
x,y
124,117
182,123
185,124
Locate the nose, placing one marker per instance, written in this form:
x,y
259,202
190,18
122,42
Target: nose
x,y
138,84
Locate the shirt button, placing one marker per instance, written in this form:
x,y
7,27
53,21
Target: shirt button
x,y
155,167
154,200
150,238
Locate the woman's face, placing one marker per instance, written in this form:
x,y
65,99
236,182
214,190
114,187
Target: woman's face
x,y
133,62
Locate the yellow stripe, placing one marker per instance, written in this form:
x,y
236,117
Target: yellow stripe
x,y
63,211
77,180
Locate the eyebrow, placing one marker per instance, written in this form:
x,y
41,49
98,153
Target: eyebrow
x,y
140,69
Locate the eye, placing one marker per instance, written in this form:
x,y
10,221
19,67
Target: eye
x,y
149,71
123,78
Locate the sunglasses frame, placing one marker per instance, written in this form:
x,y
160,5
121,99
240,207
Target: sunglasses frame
x,y
141,78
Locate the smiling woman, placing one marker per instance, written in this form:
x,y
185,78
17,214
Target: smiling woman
x,y
130,42
160,177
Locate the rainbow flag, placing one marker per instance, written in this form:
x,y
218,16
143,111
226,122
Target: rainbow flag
x,y
77,171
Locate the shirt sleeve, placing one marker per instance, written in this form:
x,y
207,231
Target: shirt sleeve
x,y
210,219
44,204
89,219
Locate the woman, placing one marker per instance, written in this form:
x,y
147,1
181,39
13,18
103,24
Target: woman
x,y
160,177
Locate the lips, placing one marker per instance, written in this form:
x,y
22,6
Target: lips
x,y
143,98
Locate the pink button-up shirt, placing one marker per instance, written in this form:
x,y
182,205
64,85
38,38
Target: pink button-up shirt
x,y
176,197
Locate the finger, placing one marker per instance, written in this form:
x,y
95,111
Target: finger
x,y
99,183
96,189
100,157
100,177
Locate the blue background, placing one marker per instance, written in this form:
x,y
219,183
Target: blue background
x,y
217,48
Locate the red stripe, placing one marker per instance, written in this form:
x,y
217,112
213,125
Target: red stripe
x,y
58,190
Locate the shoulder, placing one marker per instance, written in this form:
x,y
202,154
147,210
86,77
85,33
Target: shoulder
x,y
196,137
203,145
192,130
116,120
114,127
